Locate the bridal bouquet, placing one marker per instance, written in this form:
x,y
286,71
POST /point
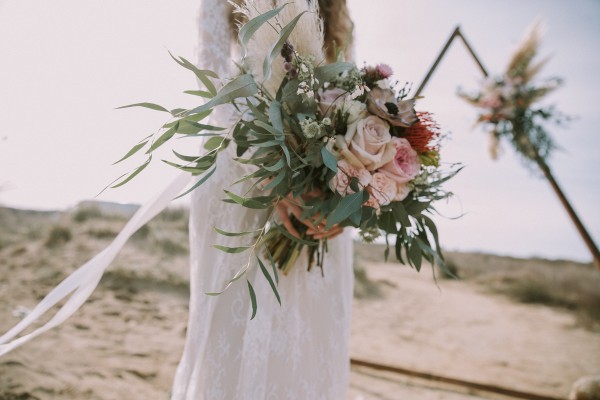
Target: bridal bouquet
x,y
343,144
507,103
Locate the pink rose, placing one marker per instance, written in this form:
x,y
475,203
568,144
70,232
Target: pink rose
x,y
331,99
405,166
341,181
382,188
370,141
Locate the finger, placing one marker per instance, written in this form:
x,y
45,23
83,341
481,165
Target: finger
x,y
328,234
285,219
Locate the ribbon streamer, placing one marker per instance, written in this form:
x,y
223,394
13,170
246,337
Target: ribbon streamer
x,y
82,282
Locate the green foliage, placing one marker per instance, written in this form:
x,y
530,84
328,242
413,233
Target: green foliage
x,y
58,235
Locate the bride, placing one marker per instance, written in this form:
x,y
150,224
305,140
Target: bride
x,y
298,350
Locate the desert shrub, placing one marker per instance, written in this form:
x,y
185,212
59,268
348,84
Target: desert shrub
x,y
102,233
86,213
173,214
58,235
172,247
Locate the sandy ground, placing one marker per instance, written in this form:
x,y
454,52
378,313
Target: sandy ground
x,y
125,343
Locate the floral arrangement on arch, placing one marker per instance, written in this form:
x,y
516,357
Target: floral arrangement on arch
x,y
507,102
341,144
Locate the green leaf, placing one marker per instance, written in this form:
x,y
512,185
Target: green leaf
x,y
276,48
400,214
273,266
268,276
201,74
133,150
167,135
271,129
276,166
133,174
232,250
348,206
329,72
252,299
234,234
328,159
278,179
249,29
414,254
275,118
214,143
192,169
151,106
200,182
254,203
288,235
176,111
191,127
241,86
201,93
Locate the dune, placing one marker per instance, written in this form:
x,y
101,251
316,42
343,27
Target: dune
x,y
528,325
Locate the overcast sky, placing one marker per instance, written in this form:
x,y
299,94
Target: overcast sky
x,y
66,64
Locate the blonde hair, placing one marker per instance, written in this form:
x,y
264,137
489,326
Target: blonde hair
x,y
337,26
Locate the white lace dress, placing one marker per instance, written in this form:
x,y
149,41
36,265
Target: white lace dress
x,y
298,350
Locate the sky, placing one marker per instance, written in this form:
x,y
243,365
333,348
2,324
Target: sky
x,y
65,66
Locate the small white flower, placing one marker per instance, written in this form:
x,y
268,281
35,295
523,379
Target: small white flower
x,y
326,121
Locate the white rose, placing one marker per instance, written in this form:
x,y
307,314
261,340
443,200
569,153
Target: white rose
x,y
369,140
382,188
329,100
356,110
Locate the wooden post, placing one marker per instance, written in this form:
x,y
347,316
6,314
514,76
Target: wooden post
x,y
589,242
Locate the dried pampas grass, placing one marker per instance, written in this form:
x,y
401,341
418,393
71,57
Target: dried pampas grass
x,y
307,37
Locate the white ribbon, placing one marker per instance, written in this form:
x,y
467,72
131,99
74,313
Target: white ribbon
x,y
82,282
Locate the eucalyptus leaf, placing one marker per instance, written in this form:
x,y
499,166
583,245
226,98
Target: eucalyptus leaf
x,y
249,28
254,203
275,118
414,254
133,150
234,234
231,250
201,93
135,173
214,143
241,86
202,75
269,279
166,136
278,179
252,299
348,206
151,106
199,182
328,159
277,46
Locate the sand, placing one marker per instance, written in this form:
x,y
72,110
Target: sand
x,y
125,343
